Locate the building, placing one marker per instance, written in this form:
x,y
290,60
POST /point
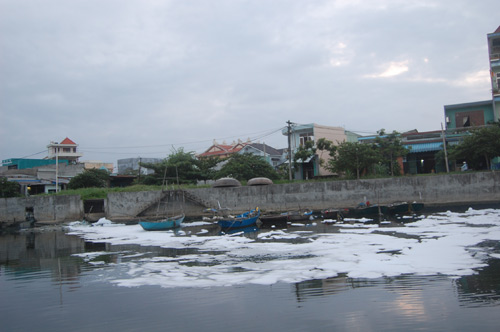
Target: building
x,y
301,133
494,56
52,173
222,150
274,157
460,118
66,150
21,163
95,164
472,114
132,165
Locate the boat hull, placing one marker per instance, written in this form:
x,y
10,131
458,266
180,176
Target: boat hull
x,y
243,220
405,208
371,211
162,225
279,220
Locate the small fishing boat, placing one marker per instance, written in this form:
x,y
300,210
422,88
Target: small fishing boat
x,y
367,211
335,214
246,219
299,215
163,224
277,220
404,208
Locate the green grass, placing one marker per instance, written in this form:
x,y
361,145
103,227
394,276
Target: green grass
x,y
101,193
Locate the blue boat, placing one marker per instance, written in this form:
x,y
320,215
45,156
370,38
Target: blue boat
x,y
246,219
163,224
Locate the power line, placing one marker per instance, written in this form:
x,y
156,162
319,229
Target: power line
x,y
34,154
266,133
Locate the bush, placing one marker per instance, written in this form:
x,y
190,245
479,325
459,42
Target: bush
x,y
9,188
91,178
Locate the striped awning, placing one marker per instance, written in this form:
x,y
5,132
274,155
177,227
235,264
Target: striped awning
x,y
424,147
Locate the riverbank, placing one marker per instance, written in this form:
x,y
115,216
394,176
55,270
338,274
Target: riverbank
x,y
437,190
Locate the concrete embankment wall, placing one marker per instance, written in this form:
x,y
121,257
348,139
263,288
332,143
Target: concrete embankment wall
x,y
483,187
431,190
45,208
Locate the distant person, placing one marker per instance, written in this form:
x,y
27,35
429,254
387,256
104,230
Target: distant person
x,y
464,167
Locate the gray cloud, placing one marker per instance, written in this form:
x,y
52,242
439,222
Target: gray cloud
x,y
160,73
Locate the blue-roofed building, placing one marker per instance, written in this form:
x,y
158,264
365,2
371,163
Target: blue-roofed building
x,y
21,163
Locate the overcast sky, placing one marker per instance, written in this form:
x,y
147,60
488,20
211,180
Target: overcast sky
x,y
129,78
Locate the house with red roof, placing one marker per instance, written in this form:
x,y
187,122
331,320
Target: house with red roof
x,y
66,150
222,150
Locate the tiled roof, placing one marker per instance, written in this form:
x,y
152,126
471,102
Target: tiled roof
x,y
222,149
68,141
264,147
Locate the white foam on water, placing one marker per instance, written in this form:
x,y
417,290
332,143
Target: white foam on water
x,y
443,243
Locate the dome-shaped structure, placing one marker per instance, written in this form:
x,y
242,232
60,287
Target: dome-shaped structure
x,y
226,182
259,182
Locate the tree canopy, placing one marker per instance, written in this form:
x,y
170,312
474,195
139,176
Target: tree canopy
x,y
353,158
9,188
90,178
179,166
247,166
479,147
389,147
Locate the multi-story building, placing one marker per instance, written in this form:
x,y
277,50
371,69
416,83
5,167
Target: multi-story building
x,y
494,55
66,150
301,133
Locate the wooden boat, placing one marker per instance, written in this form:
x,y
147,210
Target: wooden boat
x,y
335,214
246,219
279,220
404,208
370,211
259,182
162,224
299,215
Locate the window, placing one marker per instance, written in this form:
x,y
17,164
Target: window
x,y
466,121
306,137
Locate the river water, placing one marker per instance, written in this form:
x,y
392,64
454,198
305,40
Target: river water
x,y
441,272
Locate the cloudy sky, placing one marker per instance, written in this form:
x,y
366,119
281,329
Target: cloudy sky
x,y
129,78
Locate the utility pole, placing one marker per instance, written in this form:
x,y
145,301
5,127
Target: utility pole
x,y
289,150
139,175
57,169
444,149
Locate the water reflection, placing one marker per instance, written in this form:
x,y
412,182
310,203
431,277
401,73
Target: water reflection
x,y
481,289
53,254
34,255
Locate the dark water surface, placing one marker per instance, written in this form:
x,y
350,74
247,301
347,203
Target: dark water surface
x,y
44,287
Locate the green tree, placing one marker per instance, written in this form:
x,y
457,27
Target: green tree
x,y
353,158
304,152
9,188
90,178
179,166
479,147
206,167
310,149
247,166
390,148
